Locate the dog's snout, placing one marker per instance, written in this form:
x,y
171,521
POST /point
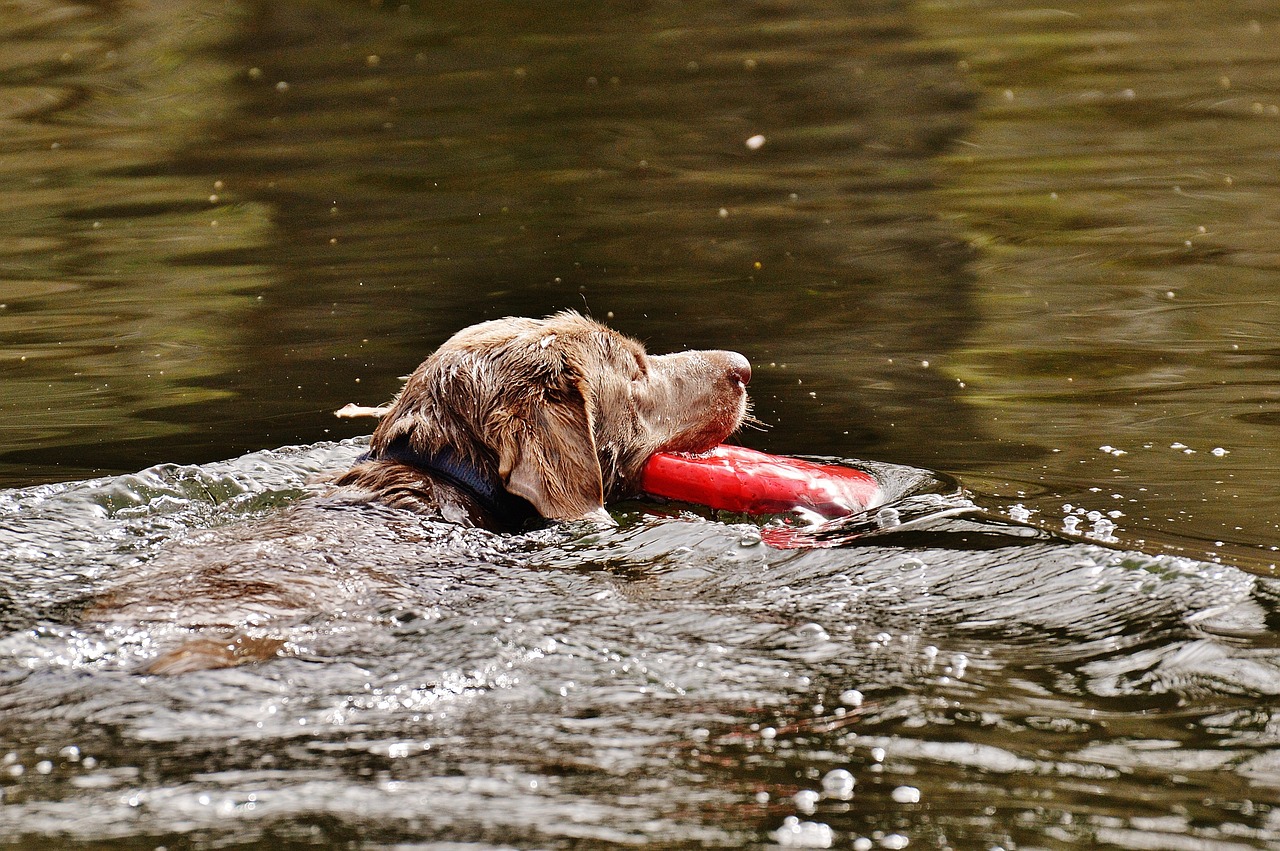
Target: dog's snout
x,y
739,368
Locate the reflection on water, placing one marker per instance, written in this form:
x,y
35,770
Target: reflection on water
x,y
1117,183
102,320
1031,247
673,682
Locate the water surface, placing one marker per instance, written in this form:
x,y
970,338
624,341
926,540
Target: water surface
x,y
675,682
1032,248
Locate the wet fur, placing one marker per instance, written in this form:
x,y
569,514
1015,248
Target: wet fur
x,y
561,412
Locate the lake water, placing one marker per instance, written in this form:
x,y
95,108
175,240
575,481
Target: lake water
x,y
1032,248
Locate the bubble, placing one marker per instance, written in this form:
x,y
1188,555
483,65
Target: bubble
x,y
756,142
806,800
906,795
888,517
803,834
838,783
851,697
813,632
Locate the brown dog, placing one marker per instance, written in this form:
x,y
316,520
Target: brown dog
x,y
519,419
508,423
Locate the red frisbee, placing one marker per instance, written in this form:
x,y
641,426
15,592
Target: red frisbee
x,y
732,478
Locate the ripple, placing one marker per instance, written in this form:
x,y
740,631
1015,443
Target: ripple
x,y
581,677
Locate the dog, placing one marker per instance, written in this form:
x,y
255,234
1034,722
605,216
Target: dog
x,y
511,424
516,421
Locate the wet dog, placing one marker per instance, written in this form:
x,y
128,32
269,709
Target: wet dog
x,y
519,420
509,424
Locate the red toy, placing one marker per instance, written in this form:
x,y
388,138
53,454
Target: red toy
x,y
732,478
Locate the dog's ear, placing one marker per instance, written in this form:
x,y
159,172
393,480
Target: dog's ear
x,y
547,455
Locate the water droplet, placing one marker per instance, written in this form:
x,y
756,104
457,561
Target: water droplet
x,y
803,834
806,800
906,795
838,783
813,632
888,517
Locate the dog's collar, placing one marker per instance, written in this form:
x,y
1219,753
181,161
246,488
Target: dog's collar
x,y
447,464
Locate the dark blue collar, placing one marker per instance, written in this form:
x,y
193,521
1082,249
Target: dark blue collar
x,y
458,471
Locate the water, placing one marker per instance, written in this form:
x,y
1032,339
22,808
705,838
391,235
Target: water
x,y
982,238
1031,248
674,682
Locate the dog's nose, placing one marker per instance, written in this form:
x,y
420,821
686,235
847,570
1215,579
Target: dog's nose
x,y
739,368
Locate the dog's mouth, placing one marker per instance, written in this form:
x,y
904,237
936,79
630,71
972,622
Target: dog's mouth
x,y
713,433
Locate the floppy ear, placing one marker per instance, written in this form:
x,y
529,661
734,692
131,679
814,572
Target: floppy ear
x,y
547,455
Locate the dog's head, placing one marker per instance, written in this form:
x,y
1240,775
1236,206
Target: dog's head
x,y
563,411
